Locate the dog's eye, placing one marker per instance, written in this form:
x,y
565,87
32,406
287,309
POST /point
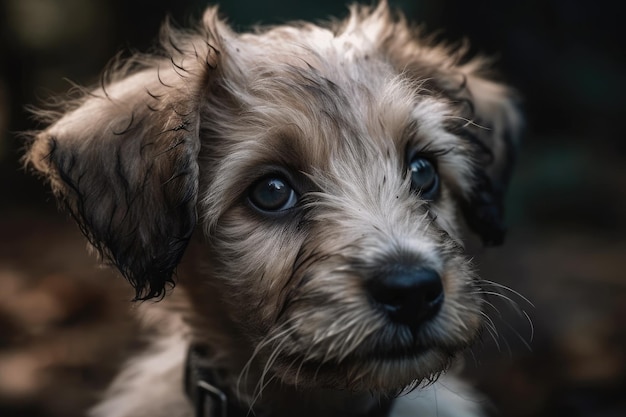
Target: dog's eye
x,y
272,194
424,177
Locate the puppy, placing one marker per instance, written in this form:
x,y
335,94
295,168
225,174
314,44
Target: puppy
x,y
307,186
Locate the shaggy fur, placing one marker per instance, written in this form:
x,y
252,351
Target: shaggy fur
x,y
159,162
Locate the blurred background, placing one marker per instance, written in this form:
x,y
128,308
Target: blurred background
x,y
566,247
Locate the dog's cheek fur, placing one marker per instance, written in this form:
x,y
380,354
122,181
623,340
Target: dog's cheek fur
x,y
253,258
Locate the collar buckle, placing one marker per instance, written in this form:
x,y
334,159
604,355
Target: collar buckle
x,y
206,397
217,399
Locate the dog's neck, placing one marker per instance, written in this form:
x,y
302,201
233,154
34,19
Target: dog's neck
x,y
203,382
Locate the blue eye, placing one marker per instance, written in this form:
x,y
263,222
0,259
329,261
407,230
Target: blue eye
x,y
272,194
424,177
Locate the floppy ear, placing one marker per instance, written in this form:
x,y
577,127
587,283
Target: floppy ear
x,y
490,120
123,160
487,110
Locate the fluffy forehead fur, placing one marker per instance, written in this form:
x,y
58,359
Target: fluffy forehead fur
x,y
171,144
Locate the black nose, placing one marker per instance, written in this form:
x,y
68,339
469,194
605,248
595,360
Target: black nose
x,y
409,296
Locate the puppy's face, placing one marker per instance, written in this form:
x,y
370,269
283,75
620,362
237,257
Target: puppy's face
x,y
335,217
328,168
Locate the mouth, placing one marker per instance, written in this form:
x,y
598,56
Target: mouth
x,y
388,371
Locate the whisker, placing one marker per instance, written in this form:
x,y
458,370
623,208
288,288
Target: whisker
x,y
504,287
494,335
519,336
504,297
468,122
488,303
271,338
489,322
262,383
497,292
532,327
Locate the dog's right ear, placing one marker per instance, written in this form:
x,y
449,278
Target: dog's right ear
x,y
123,159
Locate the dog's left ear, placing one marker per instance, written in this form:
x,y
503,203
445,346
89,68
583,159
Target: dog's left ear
x,y
123,161
488,111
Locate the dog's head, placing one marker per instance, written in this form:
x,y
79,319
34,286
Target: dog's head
x,y
328,168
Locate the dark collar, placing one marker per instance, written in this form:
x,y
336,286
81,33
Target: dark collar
x,y
212,400
204,391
